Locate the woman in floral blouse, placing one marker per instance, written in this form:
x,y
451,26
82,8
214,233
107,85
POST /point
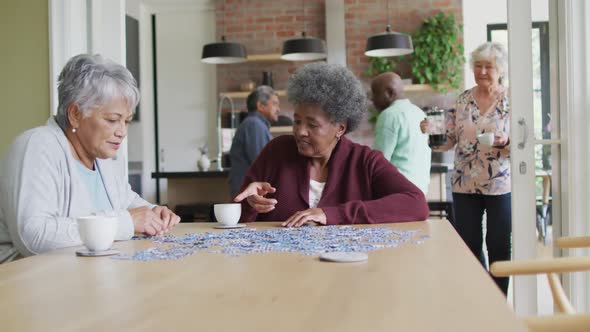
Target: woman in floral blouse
x,y
481,180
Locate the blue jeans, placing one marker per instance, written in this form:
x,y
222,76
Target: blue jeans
x,y
469,210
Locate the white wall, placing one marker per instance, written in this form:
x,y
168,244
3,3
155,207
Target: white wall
x,y
186,87
132,8
477,14
68,36
186,117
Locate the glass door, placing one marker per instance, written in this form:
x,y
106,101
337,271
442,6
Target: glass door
x,y
536,176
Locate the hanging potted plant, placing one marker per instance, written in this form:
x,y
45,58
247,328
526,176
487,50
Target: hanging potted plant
x,y
437,58
438,54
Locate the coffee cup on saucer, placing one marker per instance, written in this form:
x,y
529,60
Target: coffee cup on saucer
x,y
228,214
97,232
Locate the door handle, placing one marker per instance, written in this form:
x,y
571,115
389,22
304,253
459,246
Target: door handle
x,y
525,135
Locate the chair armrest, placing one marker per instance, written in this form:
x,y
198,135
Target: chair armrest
x,y
537,266
573,242
561,323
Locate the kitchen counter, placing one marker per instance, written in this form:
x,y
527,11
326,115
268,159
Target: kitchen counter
x,y
213,186
439,168
195,187
439,185
202,174
434,169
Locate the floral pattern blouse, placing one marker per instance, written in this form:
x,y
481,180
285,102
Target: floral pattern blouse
x,y
479,169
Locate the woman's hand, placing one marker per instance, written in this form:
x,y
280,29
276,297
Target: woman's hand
x,y
254,194
300,218
424,126
169,218
501,139
146,221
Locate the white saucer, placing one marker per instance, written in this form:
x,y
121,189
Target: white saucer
x,y
91,253
222,226
344,257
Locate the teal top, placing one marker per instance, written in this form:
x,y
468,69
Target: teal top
x,y
399,137
95,186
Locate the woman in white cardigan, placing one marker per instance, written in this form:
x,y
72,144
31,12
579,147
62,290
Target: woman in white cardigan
x,y
57,172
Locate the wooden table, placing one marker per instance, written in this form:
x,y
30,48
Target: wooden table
x,y
435,286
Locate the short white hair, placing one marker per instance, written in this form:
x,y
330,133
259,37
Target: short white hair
x,y
491,51
92,81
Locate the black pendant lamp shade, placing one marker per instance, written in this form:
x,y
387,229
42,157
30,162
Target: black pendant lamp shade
x,y
388,44
223,52
304,49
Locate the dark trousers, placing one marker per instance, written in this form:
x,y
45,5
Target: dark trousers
x,y
469,210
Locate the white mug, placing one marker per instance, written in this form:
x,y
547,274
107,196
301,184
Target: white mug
x,y
97,232
486,139
228,214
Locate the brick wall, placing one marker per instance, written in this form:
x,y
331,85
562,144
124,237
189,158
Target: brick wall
x,y
368,17
263,25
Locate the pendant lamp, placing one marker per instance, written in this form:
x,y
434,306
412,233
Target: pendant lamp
x,y
389,43
223,52
304,48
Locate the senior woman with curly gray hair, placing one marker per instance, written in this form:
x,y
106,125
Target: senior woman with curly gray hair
x,y
319,175
55,173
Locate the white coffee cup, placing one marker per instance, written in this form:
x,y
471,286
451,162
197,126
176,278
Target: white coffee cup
x,y
228,214
97,232
486,139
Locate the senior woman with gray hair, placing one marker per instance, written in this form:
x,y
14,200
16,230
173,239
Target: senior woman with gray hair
x,y
318,175
481,180
55,173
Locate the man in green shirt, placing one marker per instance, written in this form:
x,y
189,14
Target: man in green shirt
x,y
398,133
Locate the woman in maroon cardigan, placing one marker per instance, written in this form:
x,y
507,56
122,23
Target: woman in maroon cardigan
x,y
318,175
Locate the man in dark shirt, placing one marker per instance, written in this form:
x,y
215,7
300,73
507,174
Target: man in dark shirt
x,y
252,134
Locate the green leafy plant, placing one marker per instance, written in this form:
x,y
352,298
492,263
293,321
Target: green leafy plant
x,y
438,54
380,65
437,58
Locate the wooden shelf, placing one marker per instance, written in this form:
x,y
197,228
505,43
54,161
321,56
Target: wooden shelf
x,y
418,87
281,130
283,93
264,57
270,57
244,94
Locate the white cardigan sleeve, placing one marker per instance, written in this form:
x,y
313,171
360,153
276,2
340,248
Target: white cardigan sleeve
x,y
33,185
36,189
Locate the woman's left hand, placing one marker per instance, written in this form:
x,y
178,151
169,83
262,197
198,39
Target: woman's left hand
x,y
501,139
169,218
300,218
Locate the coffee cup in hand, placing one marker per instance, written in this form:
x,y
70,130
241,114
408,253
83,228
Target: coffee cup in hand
x,y
97,232
486,139
228,214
